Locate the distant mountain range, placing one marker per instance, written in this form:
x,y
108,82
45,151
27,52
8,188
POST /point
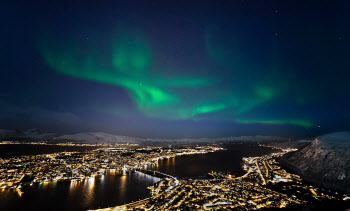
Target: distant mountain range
x,y
35,134
98,137
325,161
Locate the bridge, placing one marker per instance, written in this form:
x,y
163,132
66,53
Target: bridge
x,y
155,173
143,201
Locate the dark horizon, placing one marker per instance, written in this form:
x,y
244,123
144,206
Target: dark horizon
x,y
167,138
176,69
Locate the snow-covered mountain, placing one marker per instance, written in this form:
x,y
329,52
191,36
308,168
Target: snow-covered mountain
x,y
97,137
297,144
34,132
252,138
326,161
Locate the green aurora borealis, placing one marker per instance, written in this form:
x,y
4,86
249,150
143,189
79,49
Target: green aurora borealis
x,y
131,64
176,69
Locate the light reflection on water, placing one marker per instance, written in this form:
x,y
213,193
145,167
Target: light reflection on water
x,y
112,190
105,191
123,184
89,191
173,161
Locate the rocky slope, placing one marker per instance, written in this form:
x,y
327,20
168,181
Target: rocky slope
x,y
326,161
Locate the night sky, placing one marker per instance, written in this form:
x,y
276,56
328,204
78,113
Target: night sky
x,y
176,69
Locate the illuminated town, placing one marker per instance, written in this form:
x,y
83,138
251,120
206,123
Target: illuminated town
x,y
139,105
264,185
77,166
72,144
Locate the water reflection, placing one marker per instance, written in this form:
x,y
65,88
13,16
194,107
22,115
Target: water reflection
x,y
123,186
54,183
72,187
113,189
173,161
89,191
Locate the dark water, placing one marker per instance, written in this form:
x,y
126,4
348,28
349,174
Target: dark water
x,y
228,161
88,194
116,190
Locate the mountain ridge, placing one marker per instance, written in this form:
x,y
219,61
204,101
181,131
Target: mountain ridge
x,y
100,137
325,161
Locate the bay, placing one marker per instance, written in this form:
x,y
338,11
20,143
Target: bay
x,y
112,190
